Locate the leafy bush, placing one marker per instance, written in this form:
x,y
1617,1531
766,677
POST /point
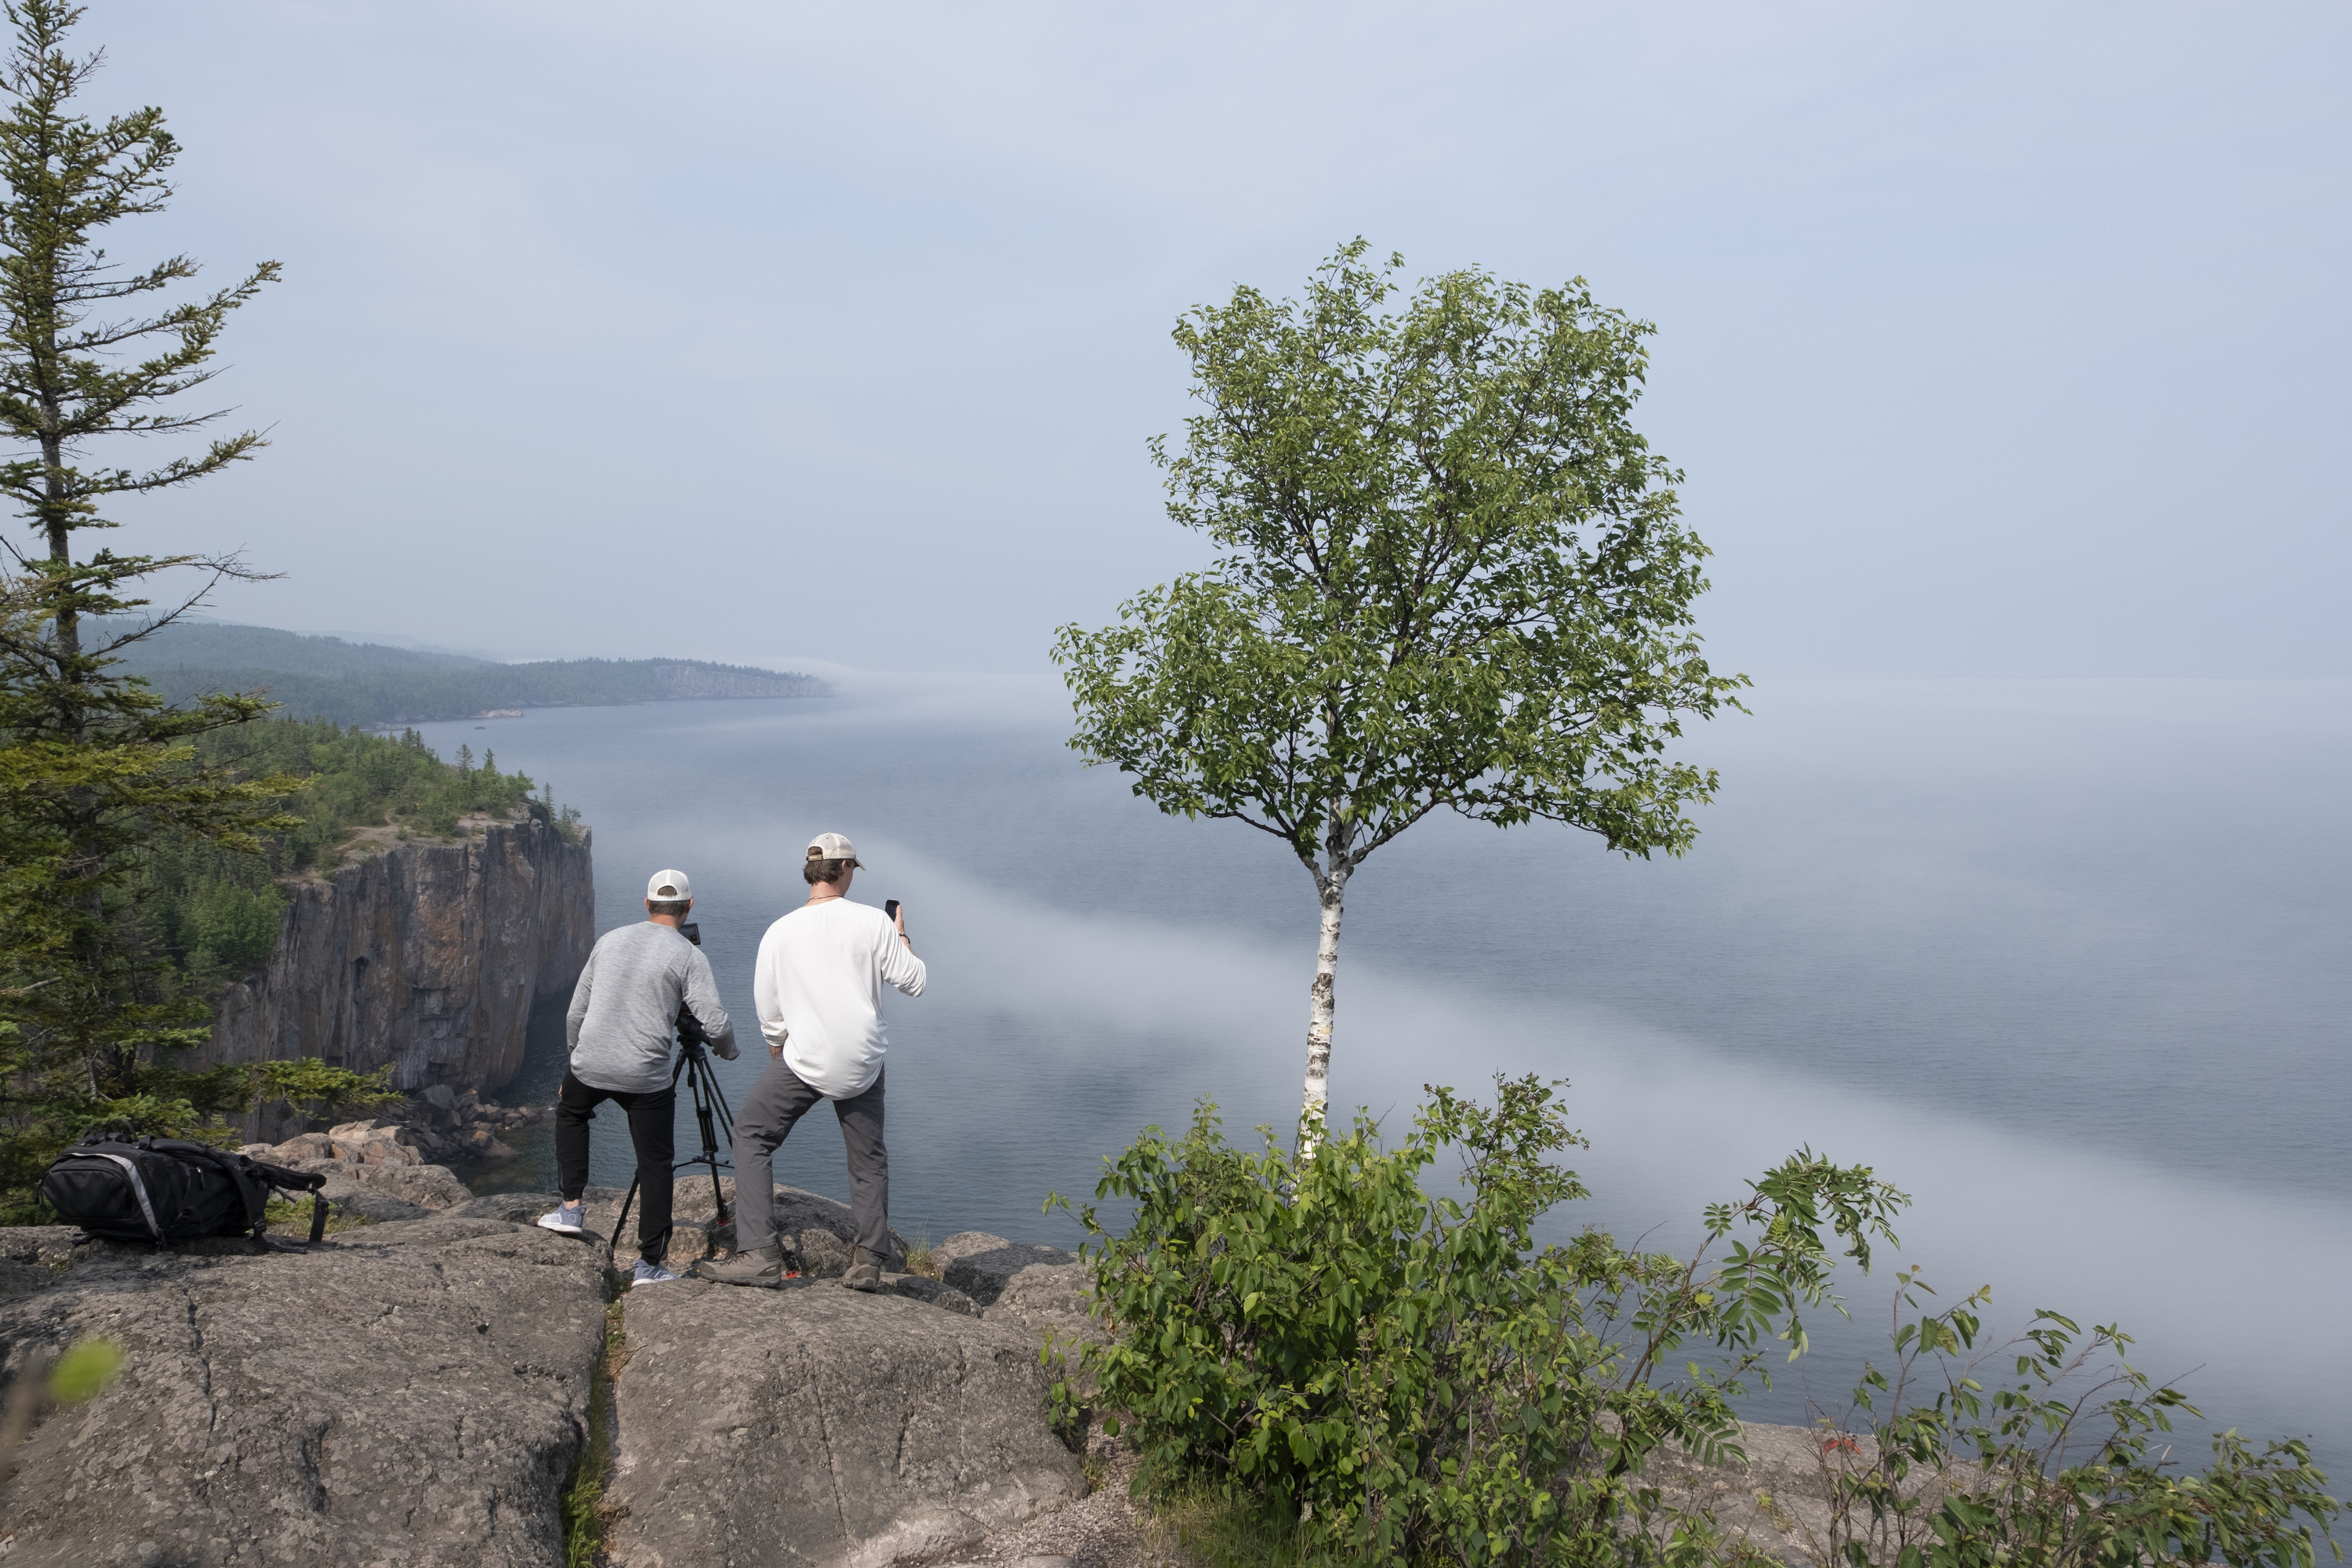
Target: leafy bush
x,y
2062,1467
1393,1377
1409,1375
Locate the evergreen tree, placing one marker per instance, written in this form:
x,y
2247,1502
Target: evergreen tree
x,y
95,769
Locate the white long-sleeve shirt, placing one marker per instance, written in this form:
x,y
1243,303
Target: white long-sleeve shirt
x,y
818,991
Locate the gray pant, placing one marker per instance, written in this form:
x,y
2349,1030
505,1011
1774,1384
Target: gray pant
x,y
779,1098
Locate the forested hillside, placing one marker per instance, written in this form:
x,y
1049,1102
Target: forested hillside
x,y
213,913
368,683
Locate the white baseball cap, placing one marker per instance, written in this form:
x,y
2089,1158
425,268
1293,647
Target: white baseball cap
x,y
668,888
832,847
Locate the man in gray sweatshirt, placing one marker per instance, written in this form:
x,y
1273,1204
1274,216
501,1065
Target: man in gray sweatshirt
x,y
623,1013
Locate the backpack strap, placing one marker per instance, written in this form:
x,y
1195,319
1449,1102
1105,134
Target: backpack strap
x,y
138,1187
310,1181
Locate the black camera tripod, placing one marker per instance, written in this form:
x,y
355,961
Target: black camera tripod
x,y
711,1114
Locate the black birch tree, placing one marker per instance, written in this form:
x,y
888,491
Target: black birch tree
x,y
1449,574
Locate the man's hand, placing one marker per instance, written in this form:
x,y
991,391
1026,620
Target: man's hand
x,y
775,1052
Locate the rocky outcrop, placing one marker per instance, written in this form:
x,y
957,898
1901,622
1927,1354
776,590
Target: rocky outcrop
x,y
820,1228
434,1125
427,956
410,1190
1043,1289
814,1426
416,1391
411,1393
443,1120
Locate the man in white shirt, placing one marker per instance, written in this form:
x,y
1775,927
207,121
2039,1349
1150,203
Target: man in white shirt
x,y
818,990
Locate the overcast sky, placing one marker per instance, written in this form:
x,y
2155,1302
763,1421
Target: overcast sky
x,y
1992,338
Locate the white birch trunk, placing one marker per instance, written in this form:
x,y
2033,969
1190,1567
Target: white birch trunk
x,y
1333,891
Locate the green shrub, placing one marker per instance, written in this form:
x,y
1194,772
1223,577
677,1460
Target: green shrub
x,y
1380,1376
2063,1465
1408,1376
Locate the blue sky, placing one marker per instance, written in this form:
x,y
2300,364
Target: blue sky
x,y
1994,340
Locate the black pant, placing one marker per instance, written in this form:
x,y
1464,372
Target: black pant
x,y
653,1116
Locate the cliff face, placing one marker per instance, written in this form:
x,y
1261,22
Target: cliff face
x,y
427,956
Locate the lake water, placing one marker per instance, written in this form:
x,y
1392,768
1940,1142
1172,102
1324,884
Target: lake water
x,y
2070,962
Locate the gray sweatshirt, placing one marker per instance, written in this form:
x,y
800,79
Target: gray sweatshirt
x,y
626,1006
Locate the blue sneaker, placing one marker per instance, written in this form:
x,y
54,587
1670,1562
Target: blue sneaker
x,y
651,1274
568,1219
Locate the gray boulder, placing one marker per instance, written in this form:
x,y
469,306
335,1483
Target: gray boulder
x,y
1055,1299
922,1287
1777,1502
423,1186
411,1393
812,1425
823,1255
1042,1290
981,1265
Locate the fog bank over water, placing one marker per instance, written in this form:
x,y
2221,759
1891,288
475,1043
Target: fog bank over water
x,y
2063,960
1675,1124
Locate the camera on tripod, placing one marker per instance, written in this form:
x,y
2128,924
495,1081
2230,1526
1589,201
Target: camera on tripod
x,y
690,1036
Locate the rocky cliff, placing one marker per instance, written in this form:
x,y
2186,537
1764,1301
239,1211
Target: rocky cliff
x,y
419,1388
424,955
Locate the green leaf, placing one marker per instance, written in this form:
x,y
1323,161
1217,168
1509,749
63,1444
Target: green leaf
x,y
84,1370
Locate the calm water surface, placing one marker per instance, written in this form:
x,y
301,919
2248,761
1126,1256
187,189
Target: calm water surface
x,y
2065,961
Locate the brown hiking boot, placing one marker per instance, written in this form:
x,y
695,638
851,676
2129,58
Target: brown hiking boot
x,y
865,1273
761,1265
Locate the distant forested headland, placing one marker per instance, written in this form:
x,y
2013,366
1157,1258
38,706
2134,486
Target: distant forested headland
x,y
367,683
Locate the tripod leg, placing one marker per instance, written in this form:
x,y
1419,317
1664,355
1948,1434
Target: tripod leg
x,y
725,1135
613,1247
712,1157
703,1086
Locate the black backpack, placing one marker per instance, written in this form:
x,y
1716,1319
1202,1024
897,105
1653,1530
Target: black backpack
x,y
165,1190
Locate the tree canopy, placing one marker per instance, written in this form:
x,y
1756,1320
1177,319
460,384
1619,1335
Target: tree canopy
x,y
96,769
1450,573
